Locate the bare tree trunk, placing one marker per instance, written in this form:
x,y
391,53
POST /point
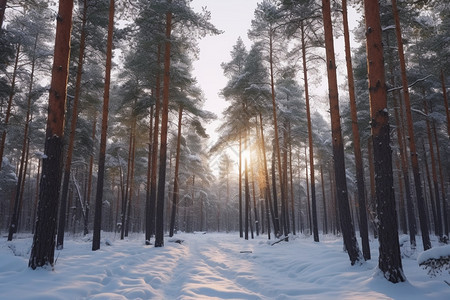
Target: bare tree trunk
x,y
348,230
19,191
267,182
412,143
175,180
255,208
389,261
325,221
131,176
401,202
43,248
241,226
153,188
438,220
89,189
147,218
310,140
308,197
291,183
73,126
444,96
444,200
430,188
363,228
275,125
102,153
159,228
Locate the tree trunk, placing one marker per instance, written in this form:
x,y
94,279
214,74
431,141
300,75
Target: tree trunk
x,y
444,200
267,182
438,220
275,195
325,221
275,125
147,218
102,153
151,229
389,261
89,189
8,108
255,208
347,228
430,188
291,183
43,248
310,140
401,202
175,179
444,96
159,228
363,228
73,126
19,191
308,195
241,226
131,177
412,143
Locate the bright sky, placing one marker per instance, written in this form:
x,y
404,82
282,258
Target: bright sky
x,y
234,18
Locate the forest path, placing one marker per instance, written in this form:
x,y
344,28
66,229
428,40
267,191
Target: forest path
x,y
214,268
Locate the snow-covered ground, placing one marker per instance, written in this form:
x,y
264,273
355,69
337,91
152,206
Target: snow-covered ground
x,y
209,266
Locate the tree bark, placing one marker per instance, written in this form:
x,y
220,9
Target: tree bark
x,y
347,228
389,261
241,226
21,178
159,228
153,188
131,176
438,220
363,228
444,96
102,153
267,182
43,248
73,126
89,189
325,220
310,139
412,143
441,177
430,188
275,122
175,195
147,218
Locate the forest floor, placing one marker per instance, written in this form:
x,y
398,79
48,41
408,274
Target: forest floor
x,y
210,266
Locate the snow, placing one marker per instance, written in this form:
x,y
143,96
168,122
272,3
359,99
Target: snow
x,y
208,266
434,253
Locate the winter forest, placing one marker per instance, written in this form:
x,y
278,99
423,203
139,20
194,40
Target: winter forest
x,y
337,148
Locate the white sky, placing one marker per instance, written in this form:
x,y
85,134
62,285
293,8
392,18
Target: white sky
x,y
234,18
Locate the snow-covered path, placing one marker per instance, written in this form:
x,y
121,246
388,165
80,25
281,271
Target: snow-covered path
x,y
208,266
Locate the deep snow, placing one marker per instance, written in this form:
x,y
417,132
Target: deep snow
x,y
210,266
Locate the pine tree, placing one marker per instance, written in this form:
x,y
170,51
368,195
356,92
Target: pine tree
x,y
389,261
43,248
